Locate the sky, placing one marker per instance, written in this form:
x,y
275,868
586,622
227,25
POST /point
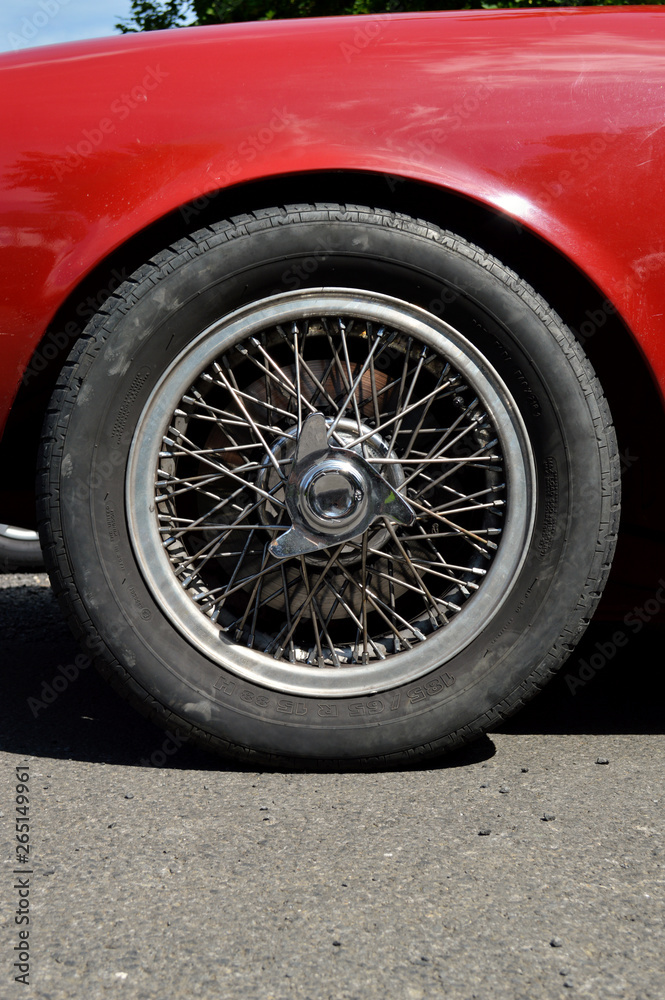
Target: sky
x,y
24,23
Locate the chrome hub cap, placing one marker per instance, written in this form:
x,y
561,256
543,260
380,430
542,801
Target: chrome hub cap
x,y
332,495
310,507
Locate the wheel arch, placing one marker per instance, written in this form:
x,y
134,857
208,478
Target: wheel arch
x,y
568,290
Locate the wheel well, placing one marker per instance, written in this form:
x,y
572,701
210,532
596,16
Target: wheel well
x,y
610,346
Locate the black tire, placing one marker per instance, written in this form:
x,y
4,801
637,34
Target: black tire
x,y
416,657
20,550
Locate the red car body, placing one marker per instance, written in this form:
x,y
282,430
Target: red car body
x,y
554,119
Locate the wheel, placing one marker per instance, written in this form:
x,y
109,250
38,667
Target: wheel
x,y
328,483
19,549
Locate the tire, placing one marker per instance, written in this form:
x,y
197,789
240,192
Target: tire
x,y
285,378
19,550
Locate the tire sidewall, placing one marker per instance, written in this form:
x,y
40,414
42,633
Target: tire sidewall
x,y
147,332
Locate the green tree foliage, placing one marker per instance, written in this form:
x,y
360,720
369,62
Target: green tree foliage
x,y
146,16
150,16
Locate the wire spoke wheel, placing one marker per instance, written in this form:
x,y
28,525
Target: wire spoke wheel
x,y
363,519
402,400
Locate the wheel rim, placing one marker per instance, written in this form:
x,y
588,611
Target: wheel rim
x,y
406,398
10,531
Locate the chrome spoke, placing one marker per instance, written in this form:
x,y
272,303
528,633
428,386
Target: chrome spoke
x,y
403,407
354,382
392,618
311,593
247,484
238,400
426,409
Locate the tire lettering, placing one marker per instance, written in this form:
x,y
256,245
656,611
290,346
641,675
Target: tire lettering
x,y
250,698
291,707
123,413
374,707
551,506
515,613
227,687
328,711
531,397
433,686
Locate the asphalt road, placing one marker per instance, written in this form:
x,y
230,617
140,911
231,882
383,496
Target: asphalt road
x,y
158,872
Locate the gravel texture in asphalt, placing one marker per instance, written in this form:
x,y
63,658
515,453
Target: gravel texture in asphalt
x,y
530,865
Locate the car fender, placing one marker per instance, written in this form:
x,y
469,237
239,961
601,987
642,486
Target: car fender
x,y
554,119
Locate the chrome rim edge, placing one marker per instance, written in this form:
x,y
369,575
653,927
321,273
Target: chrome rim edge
x,y
400,666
